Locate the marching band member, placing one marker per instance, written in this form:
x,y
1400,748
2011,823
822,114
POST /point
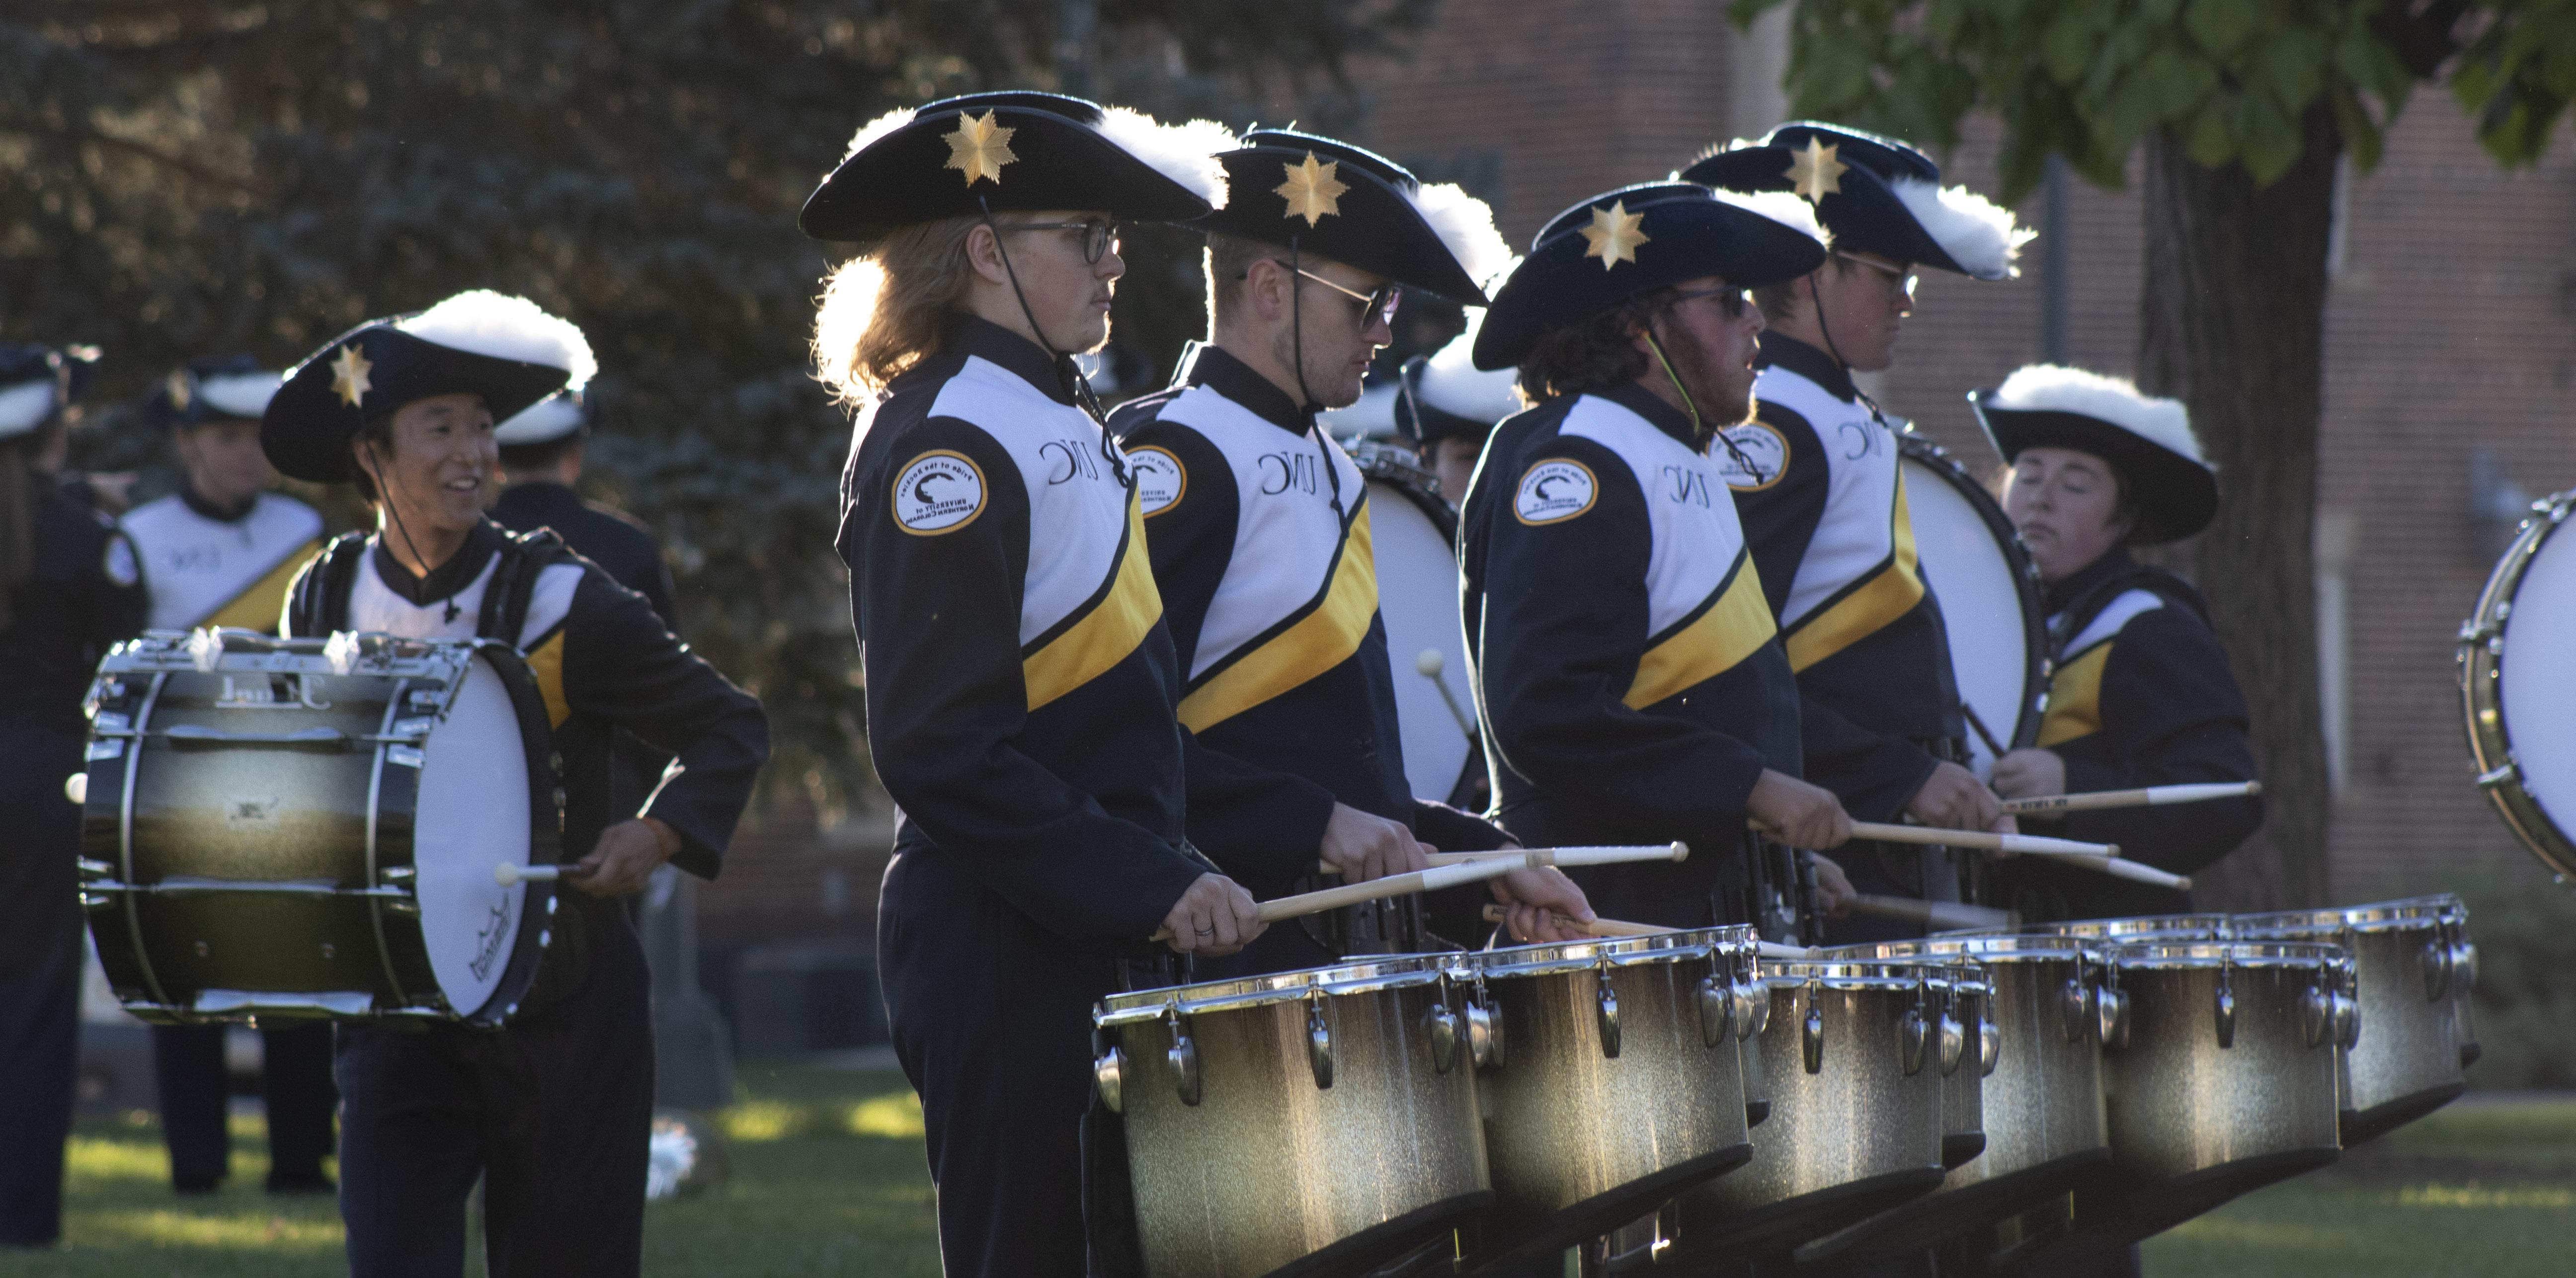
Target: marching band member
x,y
1022,685
220,552
1446,407
1629,675
69,589
1259,531
2143,694
541,457
1816,477
553,1111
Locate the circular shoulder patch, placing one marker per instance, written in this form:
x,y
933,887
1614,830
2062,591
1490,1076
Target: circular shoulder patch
x,y
1161,479
1767,449
938,492
1555,490
119,564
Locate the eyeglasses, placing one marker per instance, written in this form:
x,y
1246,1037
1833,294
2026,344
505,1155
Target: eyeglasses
x,y
1902,279
1099,239
1730,299
1376,305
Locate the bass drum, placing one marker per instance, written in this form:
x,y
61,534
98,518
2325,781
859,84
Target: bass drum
x,y
2516,685
1415,534
1989,594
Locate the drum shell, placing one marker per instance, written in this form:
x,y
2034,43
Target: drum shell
x,y
2407,1061
1841,1144
1579,1140
1963,1100
1269,1173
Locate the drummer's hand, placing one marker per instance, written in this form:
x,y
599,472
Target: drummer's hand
x,y
1363,846
1798,814
1215,917
2026,774
624,859
1834,891
1533,900
1954,799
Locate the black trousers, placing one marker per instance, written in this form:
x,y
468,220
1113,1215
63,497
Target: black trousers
x,y
295,1083
553,1114
991,1017
40,973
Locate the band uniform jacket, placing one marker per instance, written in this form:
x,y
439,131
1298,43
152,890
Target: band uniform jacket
x,y
1822,496
206,567
2142,696
1627,669
611,539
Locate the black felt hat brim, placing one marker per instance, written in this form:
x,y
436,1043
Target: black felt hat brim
x,y
903,179
1863,212
2173,495
1687,238
1375,228
308,426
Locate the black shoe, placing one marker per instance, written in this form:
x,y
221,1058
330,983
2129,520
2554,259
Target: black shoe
x,y
196,1188
297,1186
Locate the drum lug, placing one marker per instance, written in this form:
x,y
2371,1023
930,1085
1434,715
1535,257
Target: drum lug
x,y
2435,959
1811,1035
1914,1034
2317,1015
1716,1010
1484,1036
93,870
1319,1046
398,876
2072,1003
1755,1000
2112,1019
1607,1013
1954,1044
1990,1048
1109,1073
1445,1032
2464,966
1184,1056
2226,1016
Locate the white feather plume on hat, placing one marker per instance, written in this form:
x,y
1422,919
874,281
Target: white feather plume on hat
x,y
2116,400
1453,384
877,128
1465,226
25,406
482,322
1186,152
1979,234
242,395
1784,207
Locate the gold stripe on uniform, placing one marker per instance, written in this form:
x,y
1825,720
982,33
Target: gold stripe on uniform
x,y
1716,641
546,663
260,605
1889,594
1322,639
2075,698
1088,648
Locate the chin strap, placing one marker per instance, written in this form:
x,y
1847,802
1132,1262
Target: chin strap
x,y
1068,374
385,496
1835,351
1306,401
1699,429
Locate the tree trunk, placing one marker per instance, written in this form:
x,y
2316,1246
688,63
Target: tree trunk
x,y
2233,324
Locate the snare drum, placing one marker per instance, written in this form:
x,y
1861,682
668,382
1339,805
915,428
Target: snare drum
x,y
1990,600
2516,685
1301,1123
306,827
2407,961
1852,1056
1413,531
1619,1081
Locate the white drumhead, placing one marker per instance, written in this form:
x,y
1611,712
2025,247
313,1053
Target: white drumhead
x,y
1981,604
1417,594
2539,679
472,815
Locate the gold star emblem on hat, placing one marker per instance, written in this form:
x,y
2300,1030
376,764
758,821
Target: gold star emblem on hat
x,y
979,148
1311,190
1815,172
1615,234
349,371
178,389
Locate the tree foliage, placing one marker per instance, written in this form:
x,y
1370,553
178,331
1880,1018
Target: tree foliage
x,y
180,178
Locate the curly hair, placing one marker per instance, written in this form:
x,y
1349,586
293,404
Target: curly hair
x,y
882,312
1594,351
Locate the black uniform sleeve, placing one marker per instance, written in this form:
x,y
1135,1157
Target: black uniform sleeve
x,y
116,613
1874,775
938,622
1780,517
623,666
1570,596
2171,715
1451,830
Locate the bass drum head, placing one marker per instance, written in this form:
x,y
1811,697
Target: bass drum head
x,y
1989,606
2537,680
472,815
1417,596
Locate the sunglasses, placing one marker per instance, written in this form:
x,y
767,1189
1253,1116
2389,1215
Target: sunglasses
x,y
1099,239
1378,304
1730,299
1901,278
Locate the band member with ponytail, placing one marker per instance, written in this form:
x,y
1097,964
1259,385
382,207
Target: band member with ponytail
x,y
1021,682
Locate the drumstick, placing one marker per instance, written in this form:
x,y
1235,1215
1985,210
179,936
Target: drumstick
x,y
1557,856
1431,880
1621,927
1429,663
2026,844
2154,796
508,874
1945,916
1984,733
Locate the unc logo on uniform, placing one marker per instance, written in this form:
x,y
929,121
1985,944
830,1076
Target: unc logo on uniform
x,y
1160,478
938,492
1554,491
1766,449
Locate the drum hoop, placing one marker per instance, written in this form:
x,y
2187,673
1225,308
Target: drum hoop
x,y
2035,679
1549,957
1385,972
1847,974
2209,954
2147,925
2482,693
2393,916
1991,948
545,831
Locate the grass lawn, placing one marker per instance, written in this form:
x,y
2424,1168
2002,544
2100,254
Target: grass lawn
x,y
828,1180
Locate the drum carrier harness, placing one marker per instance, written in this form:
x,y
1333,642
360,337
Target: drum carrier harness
x,y
324,593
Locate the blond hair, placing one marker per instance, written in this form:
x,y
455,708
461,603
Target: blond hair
x,y
882,311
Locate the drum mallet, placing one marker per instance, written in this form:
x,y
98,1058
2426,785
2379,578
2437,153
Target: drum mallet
x,y
1928,836
1429,664
1557,856
2154,796
509,875
1431,880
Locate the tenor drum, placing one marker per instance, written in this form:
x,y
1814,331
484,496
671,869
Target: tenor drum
x,y
1852,1056
2044,1124
2410,962
1619,1078
2147,927
2516,684
1414,531
307,827
1990,601
1301,1123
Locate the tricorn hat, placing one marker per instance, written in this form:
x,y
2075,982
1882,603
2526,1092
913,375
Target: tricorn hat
x,y
1876,194
38,381
212,389
2148,441
1335,200
1018,151
1621,243
505,349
